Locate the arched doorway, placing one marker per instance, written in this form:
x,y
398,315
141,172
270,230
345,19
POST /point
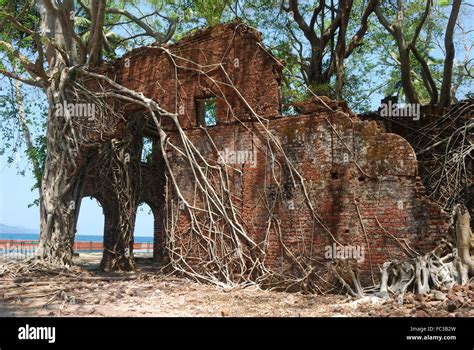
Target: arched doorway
x,y
90,228
144,231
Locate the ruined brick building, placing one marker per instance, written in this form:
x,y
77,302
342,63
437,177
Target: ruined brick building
x,y
361,181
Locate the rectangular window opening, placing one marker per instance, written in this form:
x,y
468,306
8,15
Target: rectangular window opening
x,y
147,150
206,111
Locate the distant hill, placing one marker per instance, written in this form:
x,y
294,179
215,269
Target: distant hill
x,y
16,229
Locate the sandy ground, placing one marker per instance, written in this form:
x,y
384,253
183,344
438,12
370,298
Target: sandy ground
x,y
152,294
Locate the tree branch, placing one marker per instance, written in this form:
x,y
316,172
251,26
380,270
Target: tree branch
x,y
96,42
383,20
428,78
425,70
357,38
29,66
336,22
308,33
422,21
21,79
159,37
39,65
316,12
445,94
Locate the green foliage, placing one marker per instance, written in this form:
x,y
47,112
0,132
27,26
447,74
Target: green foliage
x,y
29,18
12,133
380,54
210,10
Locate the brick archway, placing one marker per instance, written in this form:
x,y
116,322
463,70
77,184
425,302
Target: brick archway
x,y
158,230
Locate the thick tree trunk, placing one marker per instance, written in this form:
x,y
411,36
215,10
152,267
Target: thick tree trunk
x,y
118,240
464,237
121,168
57,219
61,188
61,184
317,80
70,141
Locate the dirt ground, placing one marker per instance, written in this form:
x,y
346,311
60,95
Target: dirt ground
x,y
147,293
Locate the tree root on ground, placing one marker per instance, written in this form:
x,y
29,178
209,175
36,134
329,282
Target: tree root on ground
x,y
448,264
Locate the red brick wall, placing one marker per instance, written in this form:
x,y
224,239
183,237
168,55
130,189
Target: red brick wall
x,y
355,174
225,54
345,162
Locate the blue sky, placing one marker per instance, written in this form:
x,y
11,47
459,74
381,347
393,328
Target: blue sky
x,y
16,194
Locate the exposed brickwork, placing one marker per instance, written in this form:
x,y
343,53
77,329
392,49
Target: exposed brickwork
x,y
371,170
361,181
228,54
